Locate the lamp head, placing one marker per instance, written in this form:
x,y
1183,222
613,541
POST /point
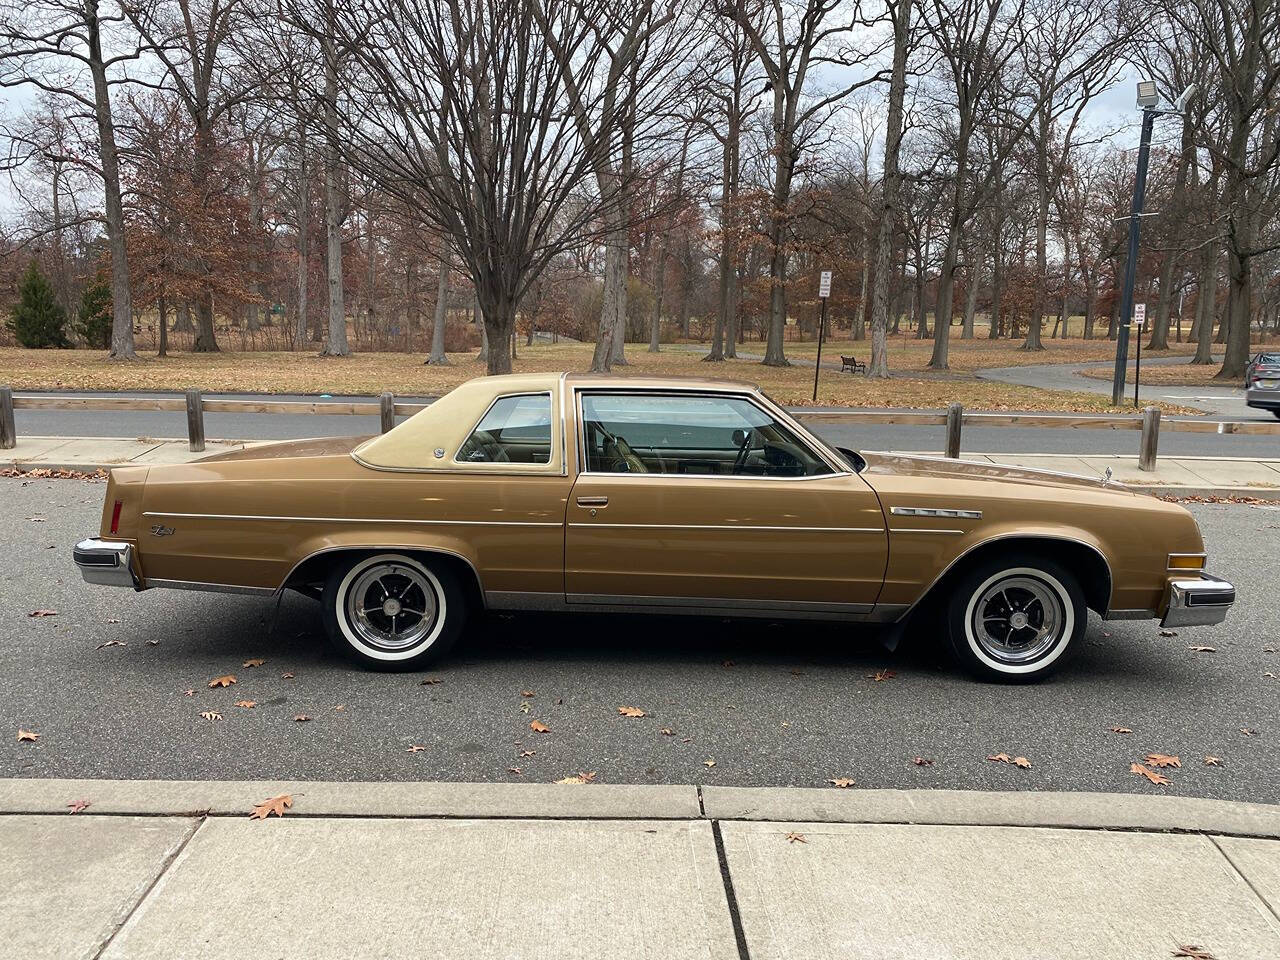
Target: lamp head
x,y
1148,95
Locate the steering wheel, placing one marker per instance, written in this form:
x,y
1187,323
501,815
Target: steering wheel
x,y
744,446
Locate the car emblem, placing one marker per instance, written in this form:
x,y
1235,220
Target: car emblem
x,y
160,530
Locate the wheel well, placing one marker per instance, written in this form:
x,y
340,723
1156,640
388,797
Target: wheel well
x,y
1086,562
308,577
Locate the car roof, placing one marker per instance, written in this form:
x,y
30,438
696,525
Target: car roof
x,y
586,380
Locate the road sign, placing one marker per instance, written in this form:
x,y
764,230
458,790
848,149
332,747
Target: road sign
x,y
1139,313
824,284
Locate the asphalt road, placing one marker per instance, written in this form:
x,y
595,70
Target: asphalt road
x,y
256,426
770,704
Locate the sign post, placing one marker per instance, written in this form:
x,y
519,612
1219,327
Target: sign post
x,y
824,291
1139,320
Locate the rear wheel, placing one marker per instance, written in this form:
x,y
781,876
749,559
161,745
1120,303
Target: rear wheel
x,y
393,611
1015,618
1276,414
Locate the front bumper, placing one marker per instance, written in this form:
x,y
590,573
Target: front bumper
x,y
1197,602
108,562
1262,398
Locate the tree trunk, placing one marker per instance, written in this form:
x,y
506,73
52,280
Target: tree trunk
x,y
859,331
945,298
162,326
1206,306
121,301
613,310
879,363
971,295
336,346
997,287
304,252
440,317
776,233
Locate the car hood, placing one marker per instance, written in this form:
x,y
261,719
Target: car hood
x,y
314,447
894,464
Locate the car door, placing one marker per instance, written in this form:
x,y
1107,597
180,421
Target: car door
x,y
710,500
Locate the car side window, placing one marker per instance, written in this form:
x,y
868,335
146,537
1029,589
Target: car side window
x,y
690,434
515,429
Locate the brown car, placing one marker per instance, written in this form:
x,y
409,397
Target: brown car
x,y
582,492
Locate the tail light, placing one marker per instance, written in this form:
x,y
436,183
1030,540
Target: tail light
x,y
115,516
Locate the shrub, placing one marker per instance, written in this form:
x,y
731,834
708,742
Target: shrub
x,y
38,320
93,324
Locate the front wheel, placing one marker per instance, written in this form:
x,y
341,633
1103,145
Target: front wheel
x,y
1276,414
392,611
1015,619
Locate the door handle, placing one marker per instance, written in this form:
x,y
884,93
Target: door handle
x,y
593,501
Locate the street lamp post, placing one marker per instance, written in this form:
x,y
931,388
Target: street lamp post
x,y
1148,97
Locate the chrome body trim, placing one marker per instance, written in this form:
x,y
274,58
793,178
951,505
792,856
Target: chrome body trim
x,y
936,512
524,600
209,587
683,606
925,530
108,563
434,523
1198,602
724,526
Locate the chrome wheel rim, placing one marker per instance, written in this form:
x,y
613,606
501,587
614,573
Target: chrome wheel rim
x,y
392,606
1018,619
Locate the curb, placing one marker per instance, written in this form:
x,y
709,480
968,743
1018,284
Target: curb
x,y
428,800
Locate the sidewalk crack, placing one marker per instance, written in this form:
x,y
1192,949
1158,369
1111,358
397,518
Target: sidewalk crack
x,y
735,917
164,868
1247,882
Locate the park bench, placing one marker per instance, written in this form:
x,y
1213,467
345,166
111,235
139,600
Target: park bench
x,y
852,364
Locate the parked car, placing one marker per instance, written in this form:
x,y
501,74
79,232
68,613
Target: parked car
x,y
1262,382
591,493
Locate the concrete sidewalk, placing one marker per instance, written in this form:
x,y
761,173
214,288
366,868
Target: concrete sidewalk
x,y
177,870
1178,476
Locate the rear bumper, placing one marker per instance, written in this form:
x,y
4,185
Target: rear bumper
x,y
1262,399
1197,602
108,562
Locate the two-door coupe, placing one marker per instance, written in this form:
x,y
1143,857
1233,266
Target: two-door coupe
x,y
582,492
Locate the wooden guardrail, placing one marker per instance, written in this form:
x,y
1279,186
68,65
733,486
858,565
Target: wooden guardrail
x,y
194,404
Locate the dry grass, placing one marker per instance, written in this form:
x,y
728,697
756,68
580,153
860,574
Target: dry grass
x,y
405,374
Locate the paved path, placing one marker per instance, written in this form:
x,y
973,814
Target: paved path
x,y
650,873
1224,401
104,682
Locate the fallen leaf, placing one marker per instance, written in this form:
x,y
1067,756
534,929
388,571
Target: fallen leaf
x,y
1163,760
1022,762
211,715
528,753
255,662
525,707
708,763
340,707
538,727
922,762
247,704
667,732
1192,952
1249,731
1120,730
110,643
113,620
188,693
226,681
1168,633
841,782
78,805
302,718
36,519
43,613
727,663
415,748
153,643
881,675
516,770
1001,758
527,693
1153,775
286,676
794,837
29,735
1212,761
431,681
1203,649
580,777
277,805
630,712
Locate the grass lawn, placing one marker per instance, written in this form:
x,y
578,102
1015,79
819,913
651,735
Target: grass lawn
x,y
405,374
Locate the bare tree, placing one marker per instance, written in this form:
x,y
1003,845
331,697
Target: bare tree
x,y
50,45
801,36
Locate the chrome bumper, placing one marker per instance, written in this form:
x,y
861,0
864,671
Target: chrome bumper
x,y
108,562
1197,603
